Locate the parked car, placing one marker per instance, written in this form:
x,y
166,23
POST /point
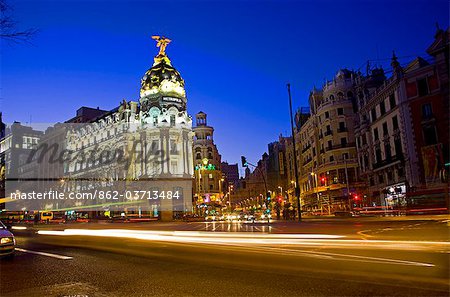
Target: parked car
x,y
7,241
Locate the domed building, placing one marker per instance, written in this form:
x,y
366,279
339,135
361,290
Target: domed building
x,y
153,135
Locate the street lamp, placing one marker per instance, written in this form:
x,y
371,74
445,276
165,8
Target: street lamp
x,y
316,182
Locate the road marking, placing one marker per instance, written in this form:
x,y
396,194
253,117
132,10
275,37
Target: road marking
x,y
347,257
61,257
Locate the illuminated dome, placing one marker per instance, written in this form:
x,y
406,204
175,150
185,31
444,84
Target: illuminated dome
x,y
162,85
162,78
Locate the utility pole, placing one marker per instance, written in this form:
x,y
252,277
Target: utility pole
x,y
297,188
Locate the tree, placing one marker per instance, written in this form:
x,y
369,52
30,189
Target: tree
x,y
8,26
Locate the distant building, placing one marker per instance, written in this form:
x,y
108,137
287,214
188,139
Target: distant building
x,y
208,186
15,147
230,173
87,114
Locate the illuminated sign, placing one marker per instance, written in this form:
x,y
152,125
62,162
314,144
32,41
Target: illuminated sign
x,y
171,99
205,167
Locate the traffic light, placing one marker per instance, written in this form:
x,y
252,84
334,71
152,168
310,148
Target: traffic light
x,y
244,161
268,197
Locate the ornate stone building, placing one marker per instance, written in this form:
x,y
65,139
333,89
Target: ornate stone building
x,y
402,131
207,163
328,167
150,142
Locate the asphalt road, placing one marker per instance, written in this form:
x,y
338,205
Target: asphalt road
x,y
355,258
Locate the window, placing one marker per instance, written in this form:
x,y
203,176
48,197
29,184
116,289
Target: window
x,y
387,151
427,112
173,147
429,135
173,166
155,145
392,102
327,115
341,126
344,142
172,120
330,144
373,113
385,129
395,123
366,161
375,133
331,158
422,85
390,176
380,178
398,147
364,139
382,108
345,156
377,155
340,111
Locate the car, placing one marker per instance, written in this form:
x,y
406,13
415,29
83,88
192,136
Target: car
x,y
7,241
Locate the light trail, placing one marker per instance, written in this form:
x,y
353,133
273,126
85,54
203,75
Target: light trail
x,y
18,228
252,240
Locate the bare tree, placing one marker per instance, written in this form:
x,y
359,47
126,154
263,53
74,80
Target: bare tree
x,y
8,26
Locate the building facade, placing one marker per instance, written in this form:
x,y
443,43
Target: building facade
x,y
209,179
402,131
328,167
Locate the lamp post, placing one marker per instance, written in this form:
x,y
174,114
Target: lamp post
x,y
316,184
297,189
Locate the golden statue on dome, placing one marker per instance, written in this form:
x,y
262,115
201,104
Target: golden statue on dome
x,y
162,43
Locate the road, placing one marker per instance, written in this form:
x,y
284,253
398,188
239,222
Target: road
x,y
347,257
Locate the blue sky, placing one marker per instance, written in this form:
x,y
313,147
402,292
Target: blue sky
x,y
235,56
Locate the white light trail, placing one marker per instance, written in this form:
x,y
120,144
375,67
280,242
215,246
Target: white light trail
x,y
252,239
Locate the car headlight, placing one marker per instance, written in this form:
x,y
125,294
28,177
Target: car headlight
x,y
6,240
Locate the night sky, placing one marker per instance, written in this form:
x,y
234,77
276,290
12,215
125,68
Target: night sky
x,y
235,56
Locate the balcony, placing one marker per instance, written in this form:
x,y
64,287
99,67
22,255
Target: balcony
x,y
388,161
307,161
306,148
